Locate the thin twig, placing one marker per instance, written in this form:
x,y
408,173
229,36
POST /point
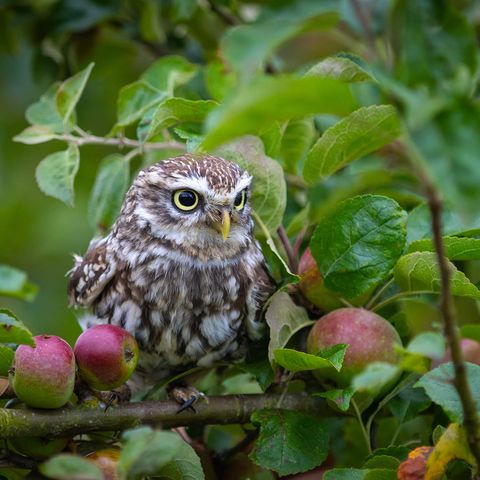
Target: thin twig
x,y
298,241
121,142
292,259
224,14
363,18
229,409
365,434
447,308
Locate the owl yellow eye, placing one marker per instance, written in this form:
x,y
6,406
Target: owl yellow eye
x,y
240,199
185,200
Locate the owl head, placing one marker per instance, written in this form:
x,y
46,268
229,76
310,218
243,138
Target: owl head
x,y
198,199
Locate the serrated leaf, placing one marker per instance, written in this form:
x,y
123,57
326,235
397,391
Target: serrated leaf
x,y
297,138
35,134
55,174
70,91
375,377
6,359
70,467
362,132
44,111
174,111
357,245
456,248
296,361
146,451
284,319
169,72
134,100
453,445
340,397
360,474
185,466
289,442
269,193
108,191
382,461
340,67
14,283
253,108
247,47
439,386
13,330
418,271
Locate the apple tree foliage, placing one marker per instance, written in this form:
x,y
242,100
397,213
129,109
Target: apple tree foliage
x,y
334,107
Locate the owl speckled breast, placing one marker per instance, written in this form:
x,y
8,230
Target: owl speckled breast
x,y
181,269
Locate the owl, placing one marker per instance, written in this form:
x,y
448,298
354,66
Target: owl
x,y
180,269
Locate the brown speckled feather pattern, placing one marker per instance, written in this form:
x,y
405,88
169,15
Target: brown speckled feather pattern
x,y
187,295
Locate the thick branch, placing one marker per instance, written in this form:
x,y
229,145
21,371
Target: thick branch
x,y
217,410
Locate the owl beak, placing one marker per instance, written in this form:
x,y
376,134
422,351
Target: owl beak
x,y
223,226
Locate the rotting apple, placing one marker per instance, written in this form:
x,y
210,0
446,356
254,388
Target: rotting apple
x,y
107,461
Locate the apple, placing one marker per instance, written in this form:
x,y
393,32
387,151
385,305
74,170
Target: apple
x,y
370,338
313,287
43,376
107,461
106,356
470,349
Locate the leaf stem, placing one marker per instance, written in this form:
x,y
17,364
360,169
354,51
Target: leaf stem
x,y
397,296
378,294
365,434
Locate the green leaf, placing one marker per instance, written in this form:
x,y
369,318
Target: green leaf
x,y
418,271
108,191
70,91
56,173
247,47
14,331
254,107
296,361
456,248
376,376
408,403
471,331
35,134
269,194
439,386
6,359
359,243
70,467
296,139
146,451
14,283
360,474
219,80
382,461
340,397
419,223
174,111
169,72
284,319
428,344
362,132
185,466
289,442
134,100
340,67
44,112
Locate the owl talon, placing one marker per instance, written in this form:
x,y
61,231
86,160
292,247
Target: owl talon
x,y
187,397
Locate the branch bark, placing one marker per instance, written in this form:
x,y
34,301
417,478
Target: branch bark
x,y
216,410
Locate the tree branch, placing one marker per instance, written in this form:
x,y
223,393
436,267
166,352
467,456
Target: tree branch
x,y
216,410
447,308
292,259
87,139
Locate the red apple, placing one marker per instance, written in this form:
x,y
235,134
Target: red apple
x,y
314,289
44,376
470,349
370,338
106,355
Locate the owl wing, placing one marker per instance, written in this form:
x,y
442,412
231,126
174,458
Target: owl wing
x,y
263,287
90,274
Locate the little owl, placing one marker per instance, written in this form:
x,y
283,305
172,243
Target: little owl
x,y
180,269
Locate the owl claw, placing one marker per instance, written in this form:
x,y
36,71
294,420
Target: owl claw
x,y
187,397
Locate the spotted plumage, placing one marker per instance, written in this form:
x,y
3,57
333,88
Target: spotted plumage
x,y
180,269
